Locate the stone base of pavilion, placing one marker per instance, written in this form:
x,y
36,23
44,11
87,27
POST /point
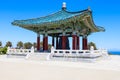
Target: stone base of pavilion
x,y
66,57
87,57
57,54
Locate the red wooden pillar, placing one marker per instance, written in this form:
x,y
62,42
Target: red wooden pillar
x,y
38,42
85,45
56,42
53,40
78,43
63,42
45,42
74,41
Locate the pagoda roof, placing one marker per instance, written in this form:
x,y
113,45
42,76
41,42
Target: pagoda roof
x,y
56,17
62,19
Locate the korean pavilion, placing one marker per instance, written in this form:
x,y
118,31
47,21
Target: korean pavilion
x,y
62,25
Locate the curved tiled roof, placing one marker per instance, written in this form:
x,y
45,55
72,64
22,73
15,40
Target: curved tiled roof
x,y
59,18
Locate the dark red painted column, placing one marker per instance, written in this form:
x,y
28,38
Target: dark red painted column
x,y
53,40
63,42
56,42
85,45
78,43
45,43
74,41
38,42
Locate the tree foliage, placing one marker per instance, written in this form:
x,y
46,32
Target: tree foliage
x,y
8,44
92,44
41,44
49,46
28,45
20,44
3,50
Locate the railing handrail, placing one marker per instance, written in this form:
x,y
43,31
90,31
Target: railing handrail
x,y
77,51
19,51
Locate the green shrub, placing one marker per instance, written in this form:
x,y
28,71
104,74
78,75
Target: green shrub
x,y
3,50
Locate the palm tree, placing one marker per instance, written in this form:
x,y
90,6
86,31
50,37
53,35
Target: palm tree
x,y
8,44
92,44
28,45
20,44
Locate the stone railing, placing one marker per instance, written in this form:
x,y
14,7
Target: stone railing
x,y
19,51
79,53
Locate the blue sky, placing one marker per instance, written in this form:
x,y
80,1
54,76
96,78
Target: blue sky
x,y
106,13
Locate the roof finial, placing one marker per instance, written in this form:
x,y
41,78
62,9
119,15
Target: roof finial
x,y
64,6
89,8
